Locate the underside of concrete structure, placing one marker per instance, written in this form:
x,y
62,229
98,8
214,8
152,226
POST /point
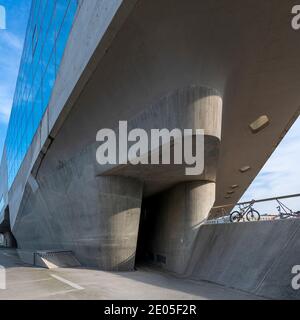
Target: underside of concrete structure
x,y
211,65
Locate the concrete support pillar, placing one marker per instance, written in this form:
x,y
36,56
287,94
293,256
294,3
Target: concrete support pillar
x,y
120,205
94,210
179,212
95,217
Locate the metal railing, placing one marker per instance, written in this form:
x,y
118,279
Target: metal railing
x,y
244,207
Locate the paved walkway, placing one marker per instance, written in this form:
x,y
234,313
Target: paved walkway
x,y
26,282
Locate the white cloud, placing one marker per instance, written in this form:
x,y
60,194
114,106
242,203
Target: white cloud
x,y
11,40
5,109
281,174
10,53
6,97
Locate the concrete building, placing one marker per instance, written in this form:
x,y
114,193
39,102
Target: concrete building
x,y
214,65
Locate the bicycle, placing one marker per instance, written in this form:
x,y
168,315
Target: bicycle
x,y
246,210
285,212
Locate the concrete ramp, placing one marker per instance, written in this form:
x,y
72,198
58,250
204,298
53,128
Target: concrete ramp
x,y
49,259
56,259
255,257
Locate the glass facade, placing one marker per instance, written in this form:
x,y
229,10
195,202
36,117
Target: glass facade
x,y
48,29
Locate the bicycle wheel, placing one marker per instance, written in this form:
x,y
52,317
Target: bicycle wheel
x,y
253,215
235,216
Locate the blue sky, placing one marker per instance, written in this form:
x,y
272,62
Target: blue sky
x,y
280,175
11,45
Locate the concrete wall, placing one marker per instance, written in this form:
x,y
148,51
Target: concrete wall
x,y
192,107
74,207
167,45
256,257
124,58
178,214
95,26
96,218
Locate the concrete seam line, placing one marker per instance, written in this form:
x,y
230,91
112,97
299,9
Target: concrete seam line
x,y
71,284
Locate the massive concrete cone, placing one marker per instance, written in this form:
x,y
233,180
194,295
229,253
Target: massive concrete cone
x,y
95,217
120,200
179,213
174,216
193,107
94,210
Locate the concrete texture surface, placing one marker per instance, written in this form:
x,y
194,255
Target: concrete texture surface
x,y
25,282
132,59
192,107
95,27
256,257
96,218
134,52
173,220
55,259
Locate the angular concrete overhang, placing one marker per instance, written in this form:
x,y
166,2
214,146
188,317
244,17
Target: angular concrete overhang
x,y
124,56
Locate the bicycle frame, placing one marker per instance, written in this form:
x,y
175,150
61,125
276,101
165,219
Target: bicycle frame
x,y
287,212
244,209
